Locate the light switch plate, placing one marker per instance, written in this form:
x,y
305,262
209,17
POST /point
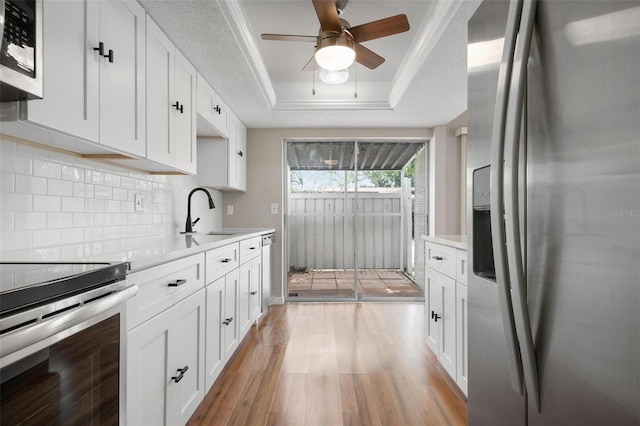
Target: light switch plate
x,y
230,210
274,208
138,202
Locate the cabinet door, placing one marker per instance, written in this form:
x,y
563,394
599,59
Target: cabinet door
x,y
122,82
462,370
186,386
256,288
214,330
185,124
432,291
71,81
448,324
231,328
148,360
241,156
244,313
161,114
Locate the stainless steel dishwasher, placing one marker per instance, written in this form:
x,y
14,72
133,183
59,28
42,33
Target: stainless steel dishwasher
x,y
268,270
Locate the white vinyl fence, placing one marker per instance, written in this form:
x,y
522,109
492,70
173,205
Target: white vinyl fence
x,y
321,231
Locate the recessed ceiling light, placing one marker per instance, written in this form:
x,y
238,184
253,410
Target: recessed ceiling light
x,y
330,162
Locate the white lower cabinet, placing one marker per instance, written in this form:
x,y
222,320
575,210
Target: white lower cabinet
x,y
165,365
222,324
250,278
446,309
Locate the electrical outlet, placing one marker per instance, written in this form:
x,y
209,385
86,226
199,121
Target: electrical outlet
x,y
274,208
138,202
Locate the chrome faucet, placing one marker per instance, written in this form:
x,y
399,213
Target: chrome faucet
x,y
189,225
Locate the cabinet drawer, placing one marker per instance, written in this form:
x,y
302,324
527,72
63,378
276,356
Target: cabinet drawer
x,y
163,286
441,258
461,267
250,248
221,261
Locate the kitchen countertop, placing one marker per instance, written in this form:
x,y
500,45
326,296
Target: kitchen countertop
x,y
141,251
457,241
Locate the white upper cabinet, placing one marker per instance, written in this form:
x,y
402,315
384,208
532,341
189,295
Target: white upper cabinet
x,y
94,80
222,163
213,114
171,103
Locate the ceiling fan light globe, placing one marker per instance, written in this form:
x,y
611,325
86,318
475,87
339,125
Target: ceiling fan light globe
x,y
335,51
334,77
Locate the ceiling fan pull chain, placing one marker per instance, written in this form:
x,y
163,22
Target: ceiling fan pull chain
x,y
313,73
355,79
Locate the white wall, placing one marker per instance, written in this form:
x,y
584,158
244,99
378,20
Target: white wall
x,y
57,207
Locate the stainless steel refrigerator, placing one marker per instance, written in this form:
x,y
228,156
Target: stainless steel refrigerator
x,y
554,194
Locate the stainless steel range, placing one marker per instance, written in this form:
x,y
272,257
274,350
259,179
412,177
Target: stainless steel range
x,y
62,342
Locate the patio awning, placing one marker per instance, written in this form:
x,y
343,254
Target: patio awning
x,y
340,155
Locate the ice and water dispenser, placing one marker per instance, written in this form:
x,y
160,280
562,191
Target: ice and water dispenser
x,y
483,265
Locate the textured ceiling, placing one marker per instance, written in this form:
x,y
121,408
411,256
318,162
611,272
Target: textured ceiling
x,y
423,81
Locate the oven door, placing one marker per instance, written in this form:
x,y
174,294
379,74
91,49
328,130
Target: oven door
x,y
74,376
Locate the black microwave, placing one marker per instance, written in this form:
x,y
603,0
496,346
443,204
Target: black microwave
x,y
21,50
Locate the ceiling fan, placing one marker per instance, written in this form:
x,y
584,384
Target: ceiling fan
x,y
338,43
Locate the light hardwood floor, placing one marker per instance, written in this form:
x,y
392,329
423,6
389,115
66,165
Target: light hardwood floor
x,y
335,364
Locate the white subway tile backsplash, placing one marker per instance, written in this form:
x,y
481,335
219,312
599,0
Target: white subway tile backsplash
x,y
93,205
30,184
72,173
83,219
16,202
59,207
30,220
103,192
59,220
72,236
71,204
46,238
15,163
7,182
60,187
47,169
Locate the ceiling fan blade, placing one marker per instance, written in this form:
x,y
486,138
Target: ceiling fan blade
x,y
288,37
382,28
327,15
368,58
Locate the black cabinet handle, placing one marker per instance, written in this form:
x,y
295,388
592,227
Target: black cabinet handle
x,y
435,316
227,321
253,293
178,107
252,248
437,258
240,153
100,48
227,260
217,109
181,375
110,56
177,283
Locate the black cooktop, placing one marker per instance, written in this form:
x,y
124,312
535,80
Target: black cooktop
x,y
24,285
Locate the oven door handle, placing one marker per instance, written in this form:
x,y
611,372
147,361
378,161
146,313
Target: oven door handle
x,y
24,337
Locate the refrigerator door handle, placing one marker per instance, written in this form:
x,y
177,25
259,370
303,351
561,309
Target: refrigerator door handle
x,y
497,196
513,126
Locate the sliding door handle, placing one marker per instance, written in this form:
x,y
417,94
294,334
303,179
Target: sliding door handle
x,y
514,362
511,204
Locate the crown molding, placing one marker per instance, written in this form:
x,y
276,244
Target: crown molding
x,y
237,21
434,24
331,105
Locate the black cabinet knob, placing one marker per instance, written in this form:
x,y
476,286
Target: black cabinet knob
x,y
110,56
437,258
100,48
227,260
240,153
181,375
253,293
